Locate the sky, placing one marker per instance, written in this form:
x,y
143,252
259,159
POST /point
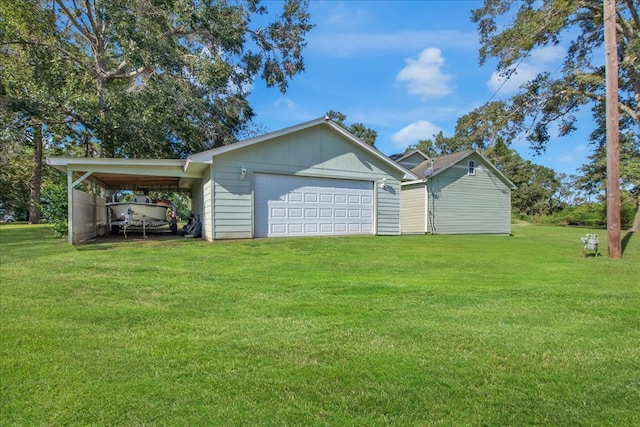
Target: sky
x,y
407,69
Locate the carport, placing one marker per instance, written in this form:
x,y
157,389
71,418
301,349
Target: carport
x,y
87,214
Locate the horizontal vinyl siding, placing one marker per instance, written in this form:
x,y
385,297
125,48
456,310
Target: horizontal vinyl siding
x,y
318,153
388,212
232,204
413,208
469,204
207,220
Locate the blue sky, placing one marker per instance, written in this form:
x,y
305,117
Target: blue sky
x,y
407,69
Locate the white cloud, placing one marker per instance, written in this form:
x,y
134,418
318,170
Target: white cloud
x,y
413,133
424,75
347,44
288,104
538,61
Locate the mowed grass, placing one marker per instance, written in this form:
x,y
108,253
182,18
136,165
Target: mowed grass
x,y
350,331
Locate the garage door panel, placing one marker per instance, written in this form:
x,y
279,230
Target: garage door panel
x,y
339,213
278,212
326,198
296,206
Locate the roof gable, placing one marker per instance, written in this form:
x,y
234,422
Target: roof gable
x,y
207,156
403,156
438,165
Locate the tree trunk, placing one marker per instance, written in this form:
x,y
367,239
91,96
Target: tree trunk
x,y
36,179
635,228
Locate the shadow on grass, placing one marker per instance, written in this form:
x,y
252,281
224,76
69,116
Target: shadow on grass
x,y
109,241
625,240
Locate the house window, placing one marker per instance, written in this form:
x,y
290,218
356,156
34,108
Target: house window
x,y
472,167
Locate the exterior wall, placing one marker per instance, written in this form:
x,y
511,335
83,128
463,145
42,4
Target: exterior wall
x,y
468,204
413,203
89,216
316,152
207,207
388,208
198,204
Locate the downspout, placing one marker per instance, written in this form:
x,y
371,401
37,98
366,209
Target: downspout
x,y
429,223
426,213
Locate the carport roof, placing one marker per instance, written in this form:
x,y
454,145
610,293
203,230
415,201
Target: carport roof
x,y
132,174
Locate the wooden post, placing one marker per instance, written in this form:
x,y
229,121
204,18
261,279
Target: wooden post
x,y
613,149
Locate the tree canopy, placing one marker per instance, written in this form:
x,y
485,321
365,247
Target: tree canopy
x,y
359,130
135,78
509,31
140,78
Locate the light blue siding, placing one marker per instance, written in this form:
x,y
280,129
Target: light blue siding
x,y
467,204
314,152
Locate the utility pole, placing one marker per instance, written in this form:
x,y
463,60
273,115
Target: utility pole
x,y
613,142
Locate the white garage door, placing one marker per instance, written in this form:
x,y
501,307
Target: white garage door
x,y
299,206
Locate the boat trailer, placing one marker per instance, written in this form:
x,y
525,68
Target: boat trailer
x,y
130,223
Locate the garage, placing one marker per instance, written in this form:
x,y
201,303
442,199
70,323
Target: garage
x,y
305,206
310,179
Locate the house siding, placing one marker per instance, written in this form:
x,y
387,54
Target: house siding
x,y
413,202
388,211
314,152
200,206
232,201
465,204
197,203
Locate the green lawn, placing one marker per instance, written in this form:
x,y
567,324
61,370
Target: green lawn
x,y
354,331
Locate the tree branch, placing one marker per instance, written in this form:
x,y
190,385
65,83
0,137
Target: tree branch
x,y
71,17
634,12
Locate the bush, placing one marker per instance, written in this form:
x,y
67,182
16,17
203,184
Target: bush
x,y
589,215
586,215
53,206
627,214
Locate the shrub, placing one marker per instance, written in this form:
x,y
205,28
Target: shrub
x,y
53,206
